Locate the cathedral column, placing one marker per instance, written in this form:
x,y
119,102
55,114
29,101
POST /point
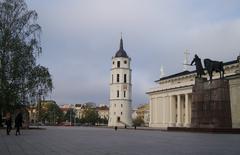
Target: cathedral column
x,y
164,110
151,112
172,112
187,123
167,110
179,123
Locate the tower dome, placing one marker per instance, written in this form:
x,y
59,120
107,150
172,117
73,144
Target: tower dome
x,y
121,52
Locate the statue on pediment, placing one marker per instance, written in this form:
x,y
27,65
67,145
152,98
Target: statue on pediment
x,y
199,67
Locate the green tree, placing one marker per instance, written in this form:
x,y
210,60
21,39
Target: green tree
x,y
22,80
51,113
103,120
70,115
138,121
91,116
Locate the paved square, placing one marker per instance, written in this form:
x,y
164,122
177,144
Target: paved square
x,y
103,141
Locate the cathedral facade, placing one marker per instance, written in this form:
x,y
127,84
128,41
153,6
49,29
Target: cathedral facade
x,y
171,100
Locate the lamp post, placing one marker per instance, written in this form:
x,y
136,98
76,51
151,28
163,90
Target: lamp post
x,y
70,117
54,118
38,108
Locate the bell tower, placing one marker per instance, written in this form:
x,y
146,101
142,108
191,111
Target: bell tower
x,y
120,89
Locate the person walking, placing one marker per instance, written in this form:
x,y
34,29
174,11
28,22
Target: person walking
x,y
8,123
18,122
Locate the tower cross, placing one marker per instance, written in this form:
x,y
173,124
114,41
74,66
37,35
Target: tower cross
x,y
186,60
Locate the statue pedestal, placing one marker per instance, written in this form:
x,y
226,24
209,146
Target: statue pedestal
x,y
211,104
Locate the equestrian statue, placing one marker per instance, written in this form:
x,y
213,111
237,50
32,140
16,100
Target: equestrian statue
x,y
210,66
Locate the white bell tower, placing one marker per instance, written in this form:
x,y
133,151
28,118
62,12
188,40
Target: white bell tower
x,y
120,90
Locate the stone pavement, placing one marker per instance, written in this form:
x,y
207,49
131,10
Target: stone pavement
x,y
105,141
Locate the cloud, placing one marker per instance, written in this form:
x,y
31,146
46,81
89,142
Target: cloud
x,y
80,37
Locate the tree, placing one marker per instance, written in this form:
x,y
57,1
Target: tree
x,y
22,80
51,113
70,115
103,120
90,116
138,121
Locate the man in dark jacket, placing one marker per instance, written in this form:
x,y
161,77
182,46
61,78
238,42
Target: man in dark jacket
x,y
8,122
18,122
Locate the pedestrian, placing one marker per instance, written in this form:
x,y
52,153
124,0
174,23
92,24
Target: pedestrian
x,y
8,123
18,122
115,128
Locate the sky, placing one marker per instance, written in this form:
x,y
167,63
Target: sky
x,y
79,38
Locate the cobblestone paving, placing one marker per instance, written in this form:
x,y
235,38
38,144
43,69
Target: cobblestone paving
x,y
103,141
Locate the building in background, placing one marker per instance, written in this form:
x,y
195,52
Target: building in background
x,y
120,89
65,107
170,101
143,113
134,114
32,111
103,111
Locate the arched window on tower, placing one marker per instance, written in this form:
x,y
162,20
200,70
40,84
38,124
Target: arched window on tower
x,y
125,78
112,78
118,64
118,77
117,93
124,93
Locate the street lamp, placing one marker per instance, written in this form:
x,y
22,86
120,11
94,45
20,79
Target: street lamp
x,y
70,117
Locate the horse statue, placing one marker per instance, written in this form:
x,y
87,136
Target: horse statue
x,y
216,66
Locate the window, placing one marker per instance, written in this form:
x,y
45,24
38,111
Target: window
x,y
118,93
125,62
114,105
118,77
112,78
121,105
125,78
121,113
124,93
113,62
118,64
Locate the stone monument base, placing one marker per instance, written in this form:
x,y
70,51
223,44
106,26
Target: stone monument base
x,y
211,104
206,130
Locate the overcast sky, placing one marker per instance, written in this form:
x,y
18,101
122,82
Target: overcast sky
x,y
79,37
